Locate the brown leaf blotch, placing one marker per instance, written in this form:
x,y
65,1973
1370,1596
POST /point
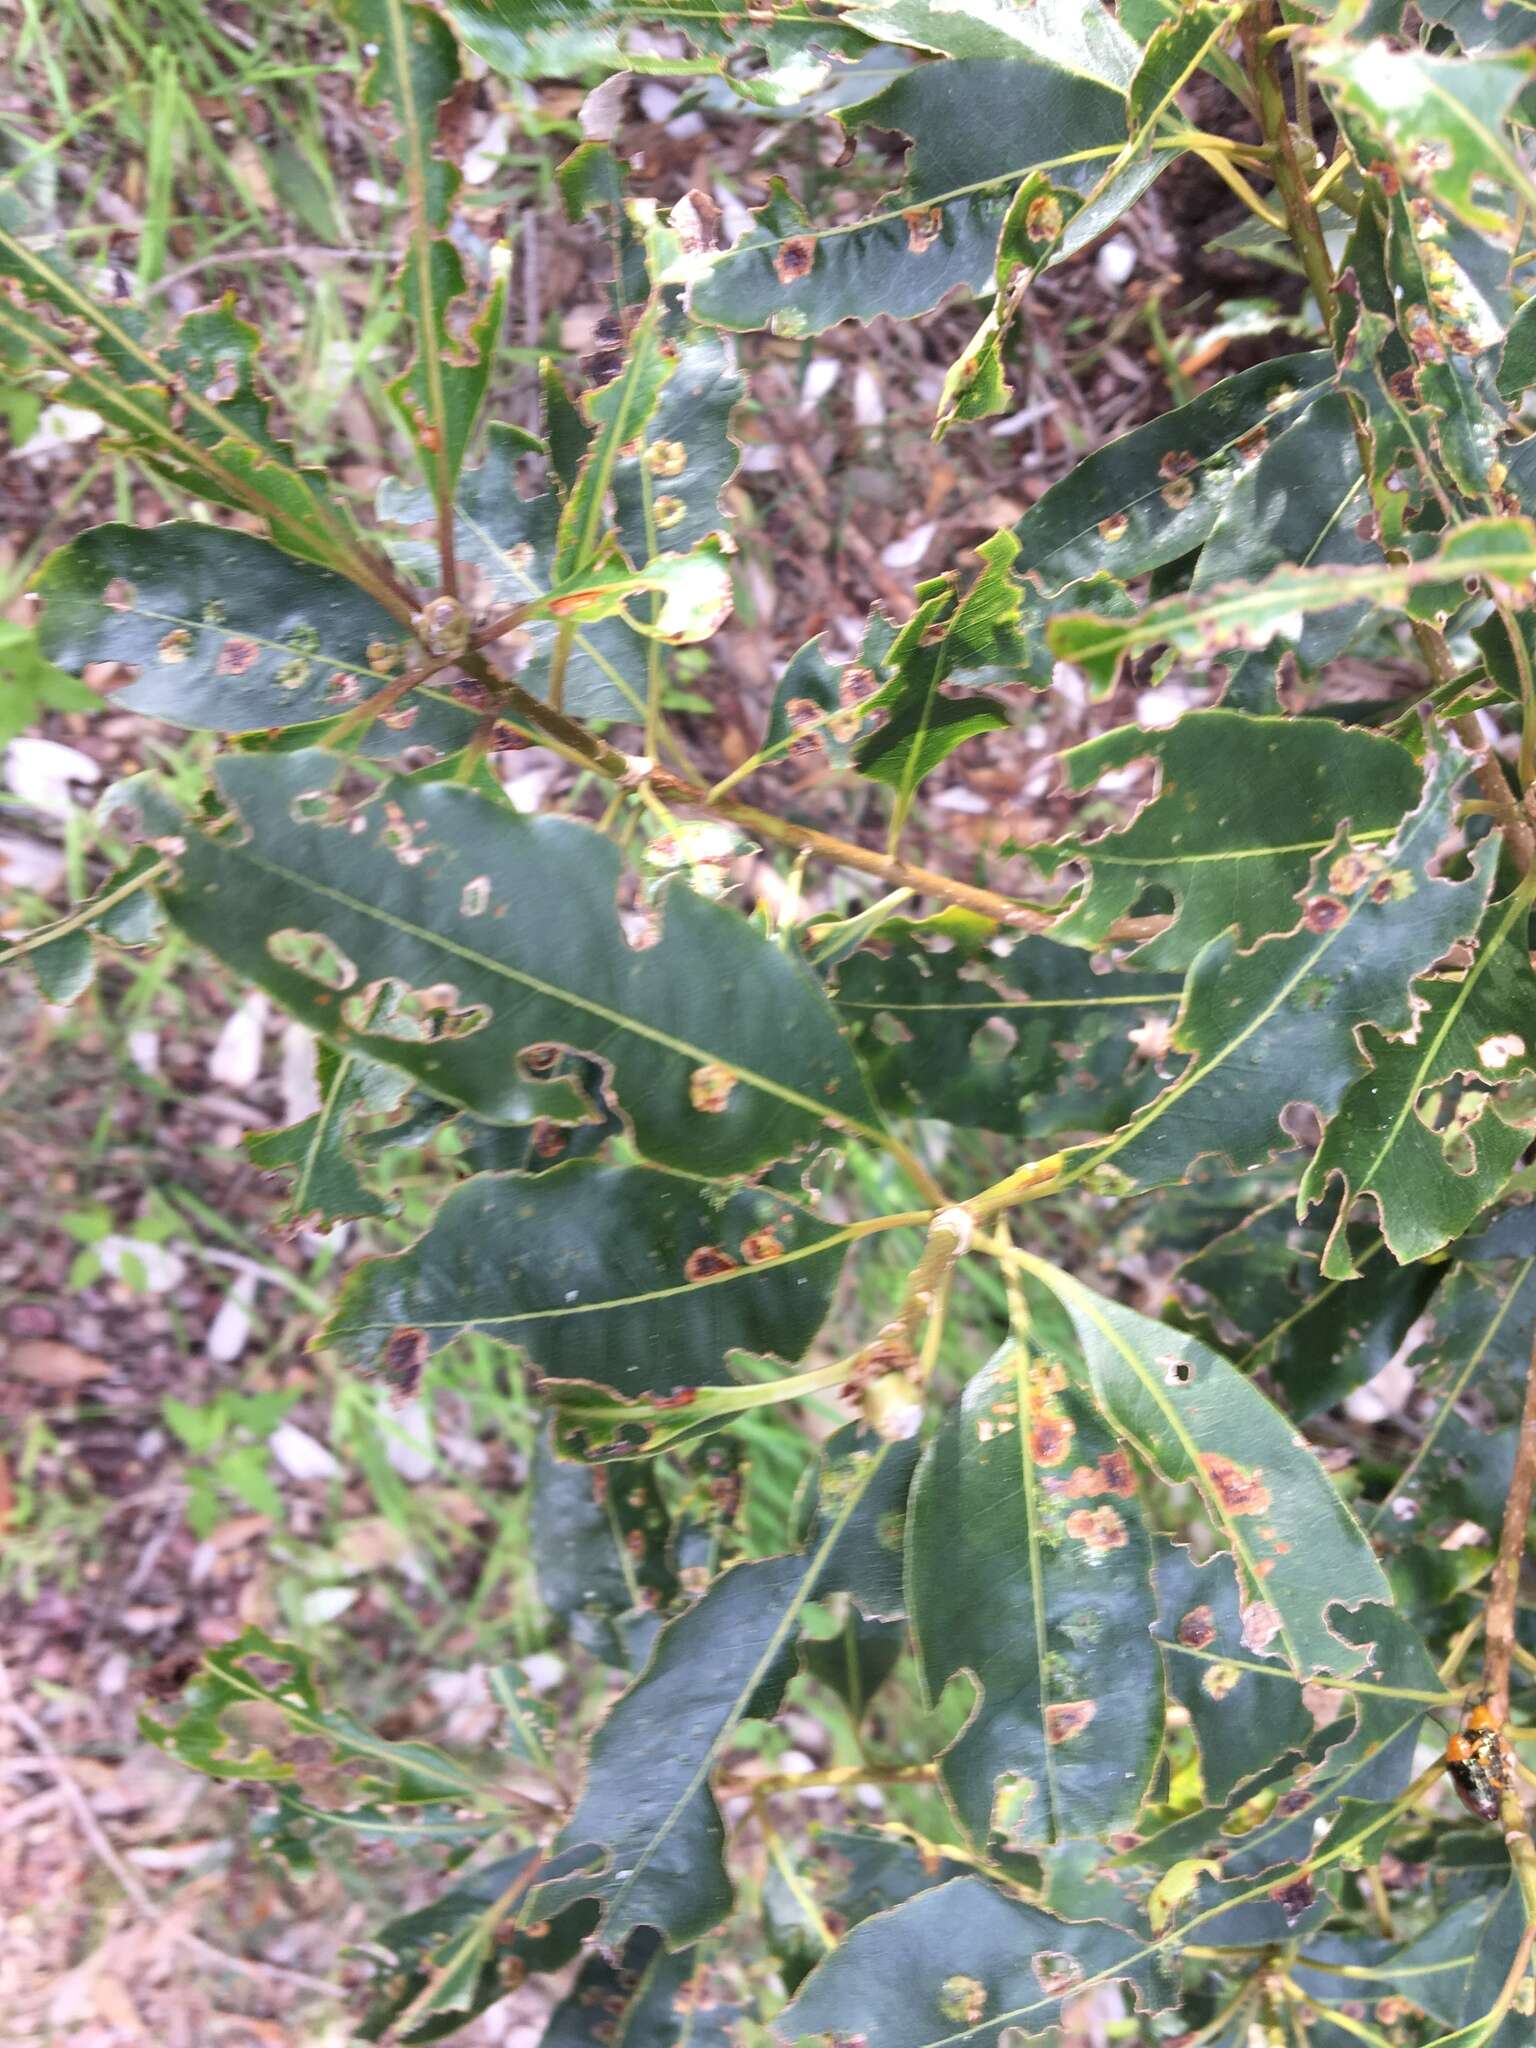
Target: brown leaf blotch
x,y
760,1246
236,657
1240,1491
707,1262
1050,1439
1098,1529
796,255
923,226
1197,1629
1068,1719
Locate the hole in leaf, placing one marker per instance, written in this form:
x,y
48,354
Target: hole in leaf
x,y
313,954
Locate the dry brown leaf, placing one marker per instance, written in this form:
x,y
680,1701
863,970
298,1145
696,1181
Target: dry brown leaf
x,y
47,1362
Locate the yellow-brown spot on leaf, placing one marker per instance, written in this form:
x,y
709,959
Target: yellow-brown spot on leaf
x,y
236,657
760,1246
1114,527
669,511
1353,869
923,227
1197,1629
707,1262
963,2000
539,1060
549,1140
710,1087
1098,1529
666,458
1179,493
1068,1719
176,646
1043,218
1219,1679
796,255
1241,1491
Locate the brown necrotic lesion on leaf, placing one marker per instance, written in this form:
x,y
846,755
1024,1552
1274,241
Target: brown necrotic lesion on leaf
x,y
1197,1630
236,657
795,257
1067,1719
1097,1529
963,2000
923,225
1240,1490
710,1087
760,1246
406,1350
708,1262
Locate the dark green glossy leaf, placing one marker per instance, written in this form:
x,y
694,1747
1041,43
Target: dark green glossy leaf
x,y
464,1951
446,890
1247,616
1303,501
1032,1040
621,1276
1472,1367
1154,495
1244,807
229,634
1260,1286
961,1963
1211,1640
599,1547
647,1809
1281,1023
1184,1408
1029,1569
1424,1131
979,126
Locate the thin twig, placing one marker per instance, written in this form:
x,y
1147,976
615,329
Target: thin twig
x,y
1499,1626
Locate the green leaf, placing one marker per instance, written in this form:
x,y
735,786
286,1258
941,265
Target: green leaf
x,y
647,1807
1443,121
254,1712
1247,616
1086,42
31,685
464,1951
1186,1410
962,1963
327,1184
510,541
771,61
1478,1349
1037,218
1028,1041
1423,1131
1029,1569
979,127
450,935
1260,1286
922,726
415,70
1243,1704
667,491
229,634
599,1547
1244,807
1154,495
621,1276
194,412
1281,1023
1302,502
1517,364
